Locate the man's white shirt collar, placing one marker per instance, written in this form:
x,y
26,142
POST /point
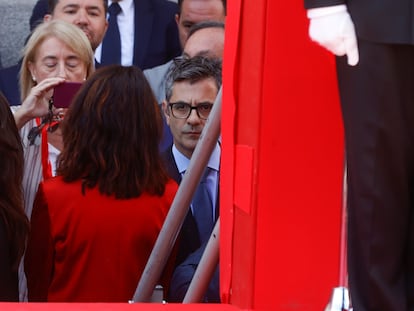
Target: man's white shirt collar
x,y
182,161
126,24
124,4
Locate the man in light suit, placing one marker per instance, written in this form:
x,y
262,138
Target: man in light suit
x,y
192,86
376,80
148,33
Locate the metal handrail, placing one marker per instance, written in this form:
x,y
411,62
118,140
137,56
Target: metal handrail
x,y
179,208
205,268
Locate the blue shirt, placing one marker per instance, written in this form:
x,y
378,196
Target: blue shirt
x,y
182,163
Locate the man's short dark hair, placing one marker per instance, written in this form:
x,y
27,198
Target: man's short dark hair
x,y
192,70
203,25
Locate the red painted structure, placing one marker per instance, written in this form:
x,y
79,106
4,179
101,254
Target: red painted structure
x,y
281,175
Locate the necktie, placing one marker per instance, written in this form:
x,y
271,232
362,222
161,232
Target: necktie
x,y
203,209
111,45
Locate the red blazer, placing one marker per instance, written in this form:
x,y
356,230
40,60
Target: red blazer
x,y
90,247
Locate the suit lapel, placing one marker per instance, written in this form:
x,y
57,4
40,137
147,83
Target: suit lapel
x,y
189,241
144,15
170,165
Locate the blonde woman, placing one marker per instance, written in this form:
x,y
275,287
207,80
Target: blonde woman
x,y
56,52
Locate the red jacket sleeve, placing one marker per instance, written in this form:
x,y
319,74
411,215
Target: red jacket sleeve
x,y
39,254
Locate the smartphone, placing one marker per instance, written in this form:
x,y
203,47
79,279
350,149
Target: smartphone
x,y
64,93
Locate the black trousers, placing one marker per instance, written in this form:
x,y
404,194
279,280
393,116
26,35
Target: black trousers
x,y
377,99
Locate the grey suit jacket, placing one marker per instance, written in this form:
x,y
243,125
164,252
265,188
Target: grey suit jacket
x,y
156,78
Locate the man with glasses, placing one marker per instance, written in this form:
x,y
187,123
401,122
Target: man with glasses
x,y
191,88
206,39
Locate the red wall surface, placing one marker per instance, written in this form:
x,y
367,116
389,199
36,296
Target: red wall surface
x,y
281,171
282,161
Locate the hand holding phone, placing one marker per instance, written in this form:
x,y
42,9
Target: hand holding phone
x,y
64,93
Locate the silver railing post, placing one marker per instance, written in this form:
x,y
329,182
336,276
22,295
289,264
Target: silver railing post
x,y
175,217
205,268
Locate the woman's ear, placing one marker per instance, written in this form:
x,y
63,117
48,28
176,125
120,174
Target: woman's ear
x,y
30,67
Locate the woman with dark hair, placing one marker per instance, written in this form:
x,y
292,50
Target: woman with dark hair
x,y
14,224
95,224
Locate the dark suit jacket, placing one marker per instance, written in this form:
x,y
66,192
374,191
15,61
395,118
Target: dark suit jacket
x,y
156,33
188,241
190,249
382,21
9,84
183,275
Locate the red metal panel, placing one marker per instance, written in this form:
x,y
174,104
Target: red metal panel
x,y
113,306
285,237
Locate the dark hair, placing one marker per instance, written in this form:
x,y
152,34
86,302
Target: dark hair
x,y
39,11
11,195
192,69
52,5
203,25
111,135
180,5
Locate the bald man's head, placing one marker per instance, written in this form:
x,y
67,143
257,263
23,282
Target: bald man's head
x,y
195,11
205,39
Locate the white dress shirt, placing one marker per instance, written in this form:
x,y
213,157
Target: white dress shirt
x,y
126,24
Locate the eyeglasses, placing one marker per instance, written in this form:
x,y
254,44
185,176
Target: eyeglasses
x,y
182,110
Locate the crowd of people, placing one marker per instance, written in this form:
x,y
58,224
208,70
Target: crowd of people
x,y
86,188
